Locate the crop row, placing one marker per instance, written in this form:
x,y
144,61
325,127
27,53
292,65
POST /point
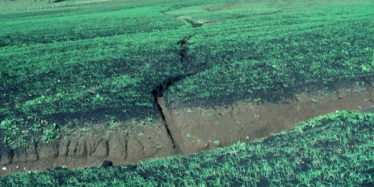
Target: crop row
x,y
68,26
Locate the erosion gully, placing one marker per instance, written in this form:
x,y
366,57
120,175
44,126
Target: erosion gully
x,y
182,130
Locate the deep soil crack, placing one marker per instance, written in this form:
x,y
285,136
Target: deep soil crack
x,y
160,89
126,147
158,93
183,43
166,124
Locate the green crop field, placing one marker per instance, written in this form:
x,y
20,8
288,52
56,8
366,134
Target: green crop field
x,y
81,65
255,54
71,63
57,64
331,150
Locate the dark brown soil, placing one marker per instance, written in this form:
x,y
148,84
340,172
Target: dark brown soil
x,y
184,131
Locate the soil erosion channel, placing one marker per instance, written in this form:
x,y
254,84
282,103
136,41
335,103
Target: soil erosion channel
x,y
182,131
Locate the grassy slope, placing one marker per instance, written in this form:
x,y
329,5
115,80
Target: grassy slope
x,y
331,150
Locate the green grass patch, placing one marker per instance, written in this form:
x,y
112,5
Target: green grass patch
x,y
258,54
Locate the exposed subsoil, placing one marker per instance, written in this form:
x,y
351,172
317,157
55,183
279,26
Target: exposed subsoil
x,y
182,131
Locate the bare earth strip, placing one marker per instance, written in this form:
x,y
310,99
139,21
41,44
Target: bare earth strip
x,y
185,131
208,128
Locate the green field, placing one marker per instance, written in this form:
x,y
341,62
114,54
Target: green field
x,y
62,64
74,68
331,150
291,51
79,64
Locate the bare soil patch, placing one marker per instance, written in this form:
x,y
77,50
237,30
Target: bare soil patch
x,y
91,149
208,128
184,131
